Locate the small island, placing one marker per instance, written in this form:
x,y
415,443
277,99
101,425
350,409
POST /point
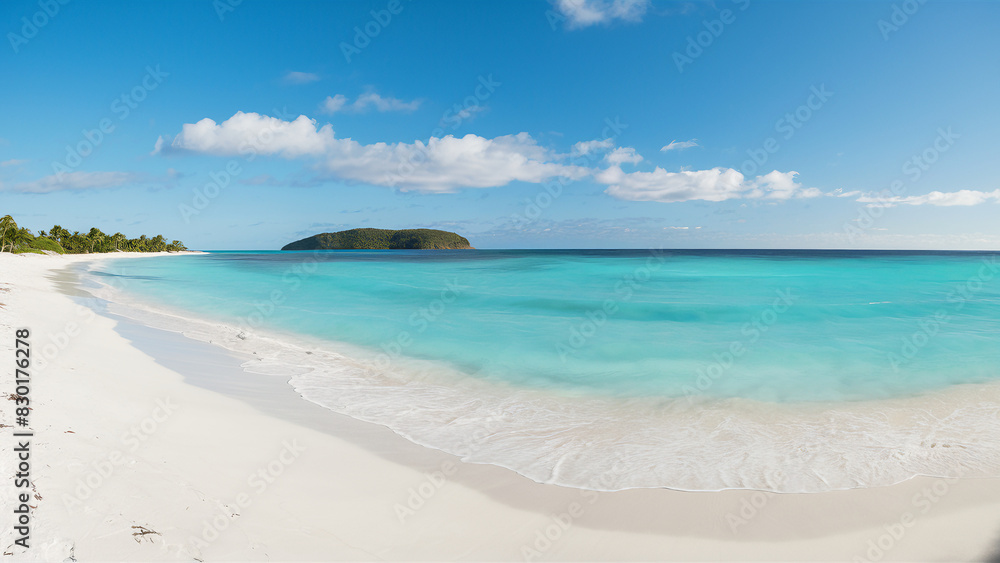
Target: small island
x,y
383,239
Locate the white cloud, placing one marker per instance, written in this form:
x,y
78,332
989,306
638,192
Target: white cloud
x,y
333,104
622,155
12,162
839,192
449,163
468,112
364,102
716,184
381,104
584,148
252,133
780,185
294,77
439,165
74,181
941,199
677,146
585,13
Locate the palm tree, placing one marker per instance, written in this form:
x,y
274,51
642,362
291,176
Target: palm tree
x,y
96,238
117,239
7,223
21,238
58,233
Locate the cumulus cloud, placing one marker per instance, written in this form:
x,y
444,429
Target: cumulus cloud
x,y
622,155
449,163
438,165
584,148
364,102
294,77
941,199
780,185
585,13
250,134
73,181
716,184
678,146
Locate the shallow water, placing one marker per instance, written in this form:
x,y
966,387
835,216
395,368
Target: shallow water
x,y
781,370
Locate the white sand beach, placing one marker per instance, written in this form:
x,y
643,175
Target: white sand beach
x,y
141,430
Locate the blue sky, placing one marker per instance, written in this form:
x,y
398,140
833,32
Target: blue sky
x,y
245,125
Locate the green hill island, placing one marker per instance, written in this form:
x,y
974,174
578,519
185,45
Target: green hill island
x,y
382,239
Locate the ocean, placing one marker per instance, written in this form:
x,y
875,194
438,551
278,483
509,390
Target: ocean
x,y
790,371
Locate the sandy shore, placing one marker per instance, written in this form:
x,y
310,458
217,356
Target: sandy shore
x,y
136,426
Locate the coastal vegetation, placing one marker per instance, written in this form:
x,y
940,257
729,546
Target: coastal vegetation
x,y
16,239
382,239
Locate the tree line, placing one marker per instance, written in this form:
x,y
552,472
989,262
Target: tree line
x,y
19,239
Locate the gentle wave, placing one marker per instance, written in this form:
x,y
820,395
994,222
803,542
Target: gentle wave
x,y
585,441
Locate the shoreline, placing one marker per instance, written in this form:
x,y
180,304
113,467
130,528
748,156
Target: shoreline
x,y
337,499
859,444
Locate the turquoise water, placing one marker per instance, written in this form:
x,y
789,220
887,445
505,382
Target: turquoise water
x,y
804,326
794,371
